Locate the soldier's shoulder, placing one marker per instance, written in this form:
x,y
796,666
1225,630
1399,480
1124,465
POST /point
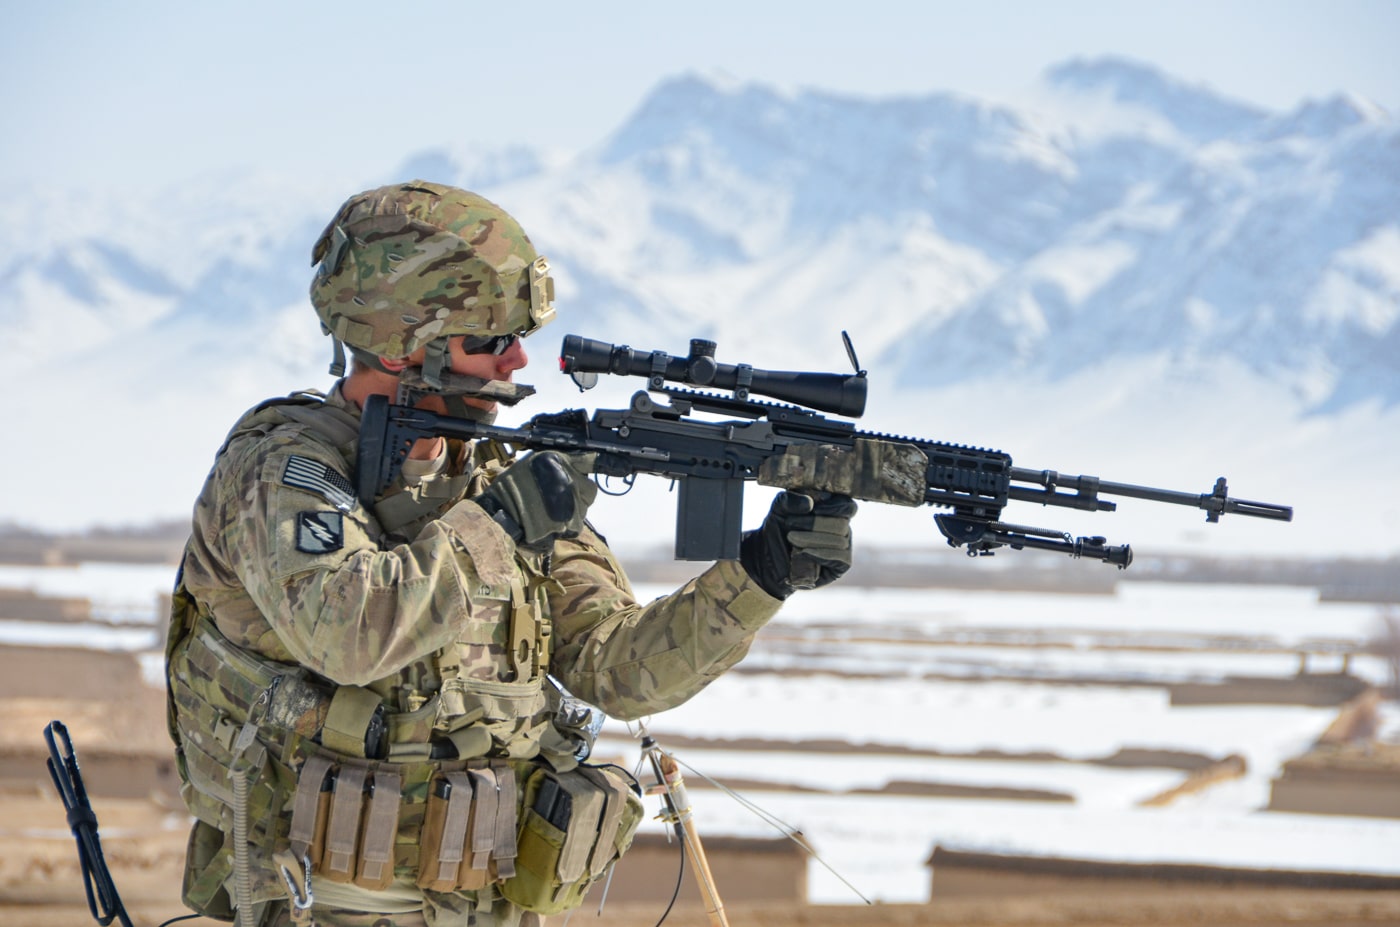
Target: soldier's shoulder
x,y
268,436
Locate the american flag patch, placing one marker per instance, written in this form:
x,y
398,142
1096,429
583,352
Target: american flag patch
x,y
314,476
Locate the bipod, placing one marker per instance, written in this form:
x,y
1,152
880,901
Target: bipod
x,y
102,898
671,786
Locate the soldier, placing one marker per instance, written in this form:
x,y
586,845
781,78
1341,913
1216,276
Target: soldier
x,y
363,700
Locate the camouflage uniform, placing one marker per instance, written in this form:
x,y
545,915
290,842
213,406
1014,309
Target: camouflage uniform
x,y
422,602
393,649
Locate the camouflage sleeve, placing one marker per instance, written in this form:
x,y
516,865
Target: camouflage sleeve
x,y
326,594
632,660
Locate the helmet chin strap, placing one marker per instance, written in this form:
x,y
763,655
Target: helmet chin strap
x,y
436,378
458,407
437,362
364,357
337,368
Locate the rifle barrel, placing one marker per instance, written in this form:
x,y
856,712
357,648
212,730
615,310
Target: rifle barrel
x,y
1087,490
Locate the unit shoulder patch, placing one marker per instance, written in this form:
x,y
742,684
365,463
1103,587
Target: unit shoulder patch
x,y
320,532
320,478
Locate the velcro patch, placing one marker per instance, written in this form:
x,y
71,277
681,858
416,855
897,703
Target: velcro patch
x,y
320,532
324,481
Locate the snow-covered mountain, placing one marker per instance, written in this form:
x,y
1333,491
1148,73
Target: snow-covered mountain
x,y
1127,270
1169,220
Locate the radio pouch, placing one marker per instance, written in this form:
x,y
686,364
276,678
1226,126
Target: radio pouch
x,y
575,826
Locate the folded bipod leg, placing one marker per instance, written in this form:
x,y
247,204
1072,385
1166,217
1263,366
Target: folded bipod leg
x,y
103,901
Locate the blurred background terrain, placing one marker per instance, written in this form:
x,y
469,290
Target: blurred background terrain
x,y
1155,245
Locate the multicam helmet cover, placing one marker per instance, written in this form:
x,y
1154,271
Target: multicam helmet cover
x,y
403,266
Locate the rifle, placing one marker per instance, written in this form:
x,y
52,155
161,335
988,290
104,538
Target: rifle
x,y
787,445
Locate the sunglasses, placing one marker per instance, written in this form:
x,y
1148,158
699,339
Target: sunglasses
x,y
488,344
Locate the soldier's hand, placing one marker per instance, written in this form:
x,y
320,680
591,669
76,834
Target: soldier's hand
x,y
542,496
805,542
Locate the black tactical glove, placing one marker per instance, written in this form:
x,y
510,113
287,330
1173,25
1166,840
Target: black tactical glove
x,y
540,497
805,542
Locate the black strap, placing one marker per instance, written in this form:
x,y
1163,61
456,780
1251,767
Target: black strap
x,y
103,900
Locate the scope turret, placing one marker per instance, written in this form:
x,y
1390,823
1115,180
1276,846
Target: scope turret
x,y
838,393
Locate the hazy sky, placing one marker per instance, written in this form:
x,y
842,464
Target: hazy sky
x,y
98,93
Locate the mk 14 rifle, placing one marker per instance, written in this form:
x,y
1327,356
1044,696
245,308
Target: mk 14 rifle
x,y
788,444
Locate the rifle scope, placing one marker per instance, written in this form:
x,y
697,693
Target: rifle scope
x,y
838,393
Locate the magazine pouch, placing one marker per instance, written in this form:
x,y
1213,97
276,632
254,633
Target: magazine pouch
x,y
575,825
469,828
345,816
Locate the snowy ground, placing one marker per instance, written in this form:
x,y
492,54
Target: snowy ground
x,y
959,672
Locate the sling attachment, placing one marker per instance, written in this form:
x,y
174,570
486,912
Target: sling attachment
x,y
524,633
307,831
299,892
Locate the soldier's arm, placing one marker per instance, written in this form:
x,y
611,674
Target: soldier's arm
x,y
631,660
338,603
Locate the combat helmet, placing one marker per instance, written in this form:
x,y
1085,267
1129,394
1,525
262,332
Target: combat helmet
x,y
410,265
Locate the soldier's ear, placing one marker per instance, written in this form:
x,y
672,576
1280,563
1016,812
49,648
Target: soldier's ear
x,y
393,365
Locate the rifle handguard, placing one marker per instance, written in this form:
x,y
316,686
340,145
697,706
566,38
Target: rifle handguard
x,y
870,469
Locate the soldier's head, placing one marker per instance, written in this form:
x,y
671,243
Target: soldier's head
x,y
411,275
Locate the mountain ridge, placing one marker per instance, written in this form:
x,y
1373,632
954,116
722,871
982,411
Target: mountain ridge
x,y
1088,242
